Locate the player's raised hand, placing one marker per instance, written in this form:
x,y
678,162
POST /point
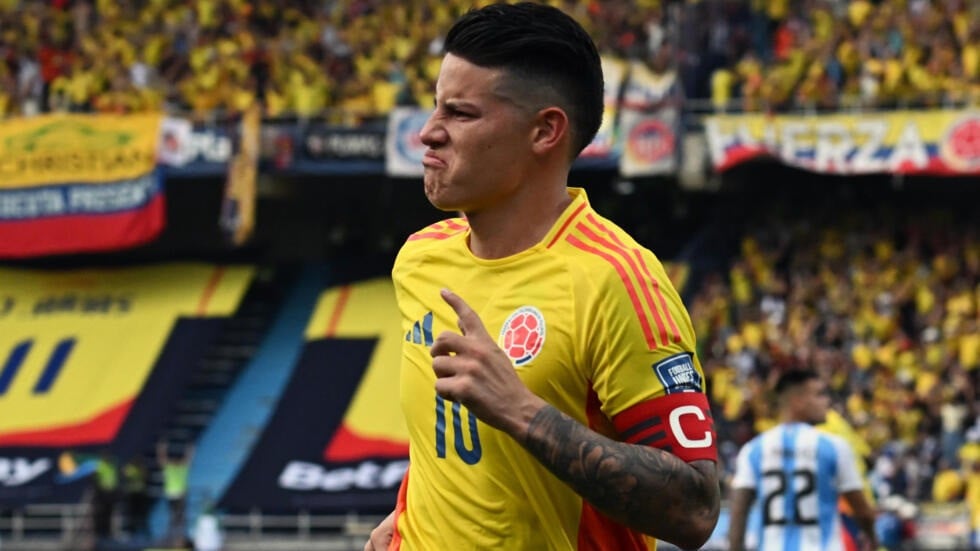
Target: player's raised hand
x,y
472,370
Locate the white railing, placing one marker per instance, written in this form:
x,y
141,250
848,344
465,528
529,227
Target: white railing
x,y
68,527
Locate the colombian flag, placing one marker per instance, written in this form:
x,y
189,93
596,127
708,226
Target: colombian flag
x,y
77,183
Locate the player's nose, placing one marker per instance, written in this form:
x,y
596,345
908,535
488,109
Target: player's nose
x,y
433,134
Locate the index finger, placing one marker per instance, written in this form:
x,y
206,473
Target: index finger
x,y
469,320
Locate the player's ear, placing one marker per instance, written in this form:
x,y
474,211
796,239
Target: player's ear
x,y
550,130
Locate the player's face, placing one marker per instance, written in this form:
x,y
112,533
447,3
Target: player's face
x,y
478,141
817,401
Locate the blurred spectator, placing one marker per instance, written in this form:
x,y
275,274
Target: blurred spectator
x,y
175,471
207,531
895,524
137,499
953,415
948,485
972,497
106,494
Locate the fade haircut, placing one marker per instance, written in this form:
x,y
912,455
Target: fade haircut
x,y
547,57
794,379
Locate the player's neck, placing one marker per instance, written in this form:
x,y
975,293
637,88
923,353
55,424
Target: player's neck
x,y
517,224
790,418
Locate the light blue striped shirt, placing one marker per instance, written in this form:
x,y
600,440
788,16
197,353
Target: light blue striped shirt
x,y
797,474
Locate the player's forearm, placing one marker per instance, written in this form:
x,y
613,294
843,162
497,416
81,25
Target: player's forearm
x,y
740,502
863,514
867,525
736,536
644,488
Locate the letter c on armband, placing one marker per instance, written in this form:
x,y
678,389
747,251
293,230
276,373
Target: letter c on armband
x,y
677,426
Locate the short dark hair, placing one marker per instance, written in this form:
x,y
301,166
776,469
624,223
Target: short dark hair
x,y
794,378
543,45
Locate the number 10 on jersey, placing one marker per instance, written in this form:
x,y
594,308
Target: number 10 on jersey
x,y
471,455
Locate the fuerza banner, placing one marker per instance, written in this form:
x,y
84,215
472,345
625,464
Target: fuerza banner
x,y
78,183
94,360
336,440
938,143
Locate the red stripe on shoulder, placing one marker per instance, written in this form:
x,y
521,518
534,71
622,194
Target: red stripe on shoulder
x,y
676,334
439,230
454,225
639,265
565,225
622,253
654,283
627,282
428,235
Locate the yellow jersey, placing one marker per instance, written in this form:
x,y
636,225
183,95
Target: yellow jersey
x,y
594,327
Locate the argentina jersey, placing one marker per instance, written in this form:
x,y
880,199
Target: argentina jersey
x,y
797,474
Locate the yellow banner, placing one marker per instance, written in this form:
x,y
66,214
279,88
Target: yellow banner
x,y
76,347
365,310
238,205
73,148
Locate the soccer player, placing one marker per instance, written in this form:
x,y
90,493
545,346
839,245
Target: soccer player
x,y
798,473
549,381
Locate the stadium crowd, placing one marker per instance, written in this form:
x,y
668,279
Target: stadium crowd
x,y
832,54
303,58
887,309
360,58
356,58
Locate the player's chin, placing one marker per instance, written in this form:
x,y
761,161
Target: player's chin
x,y
445,206
439,195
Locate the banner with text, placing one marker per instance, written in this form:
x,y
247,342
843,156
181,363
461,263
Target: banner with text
x,y
336,440
941,143
95,359
403,146
340,143
78,183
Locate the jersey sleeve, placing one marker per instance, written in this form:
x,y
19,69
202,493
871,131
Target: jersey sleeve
x,y
641,348
848,478
745,473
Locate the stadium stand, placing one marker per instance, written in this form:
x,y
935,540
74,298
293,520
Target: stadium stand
x,y
214,57
829,55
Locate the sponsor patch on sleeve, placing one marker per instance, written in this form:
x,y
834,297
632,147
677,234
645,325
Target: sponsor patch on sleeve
x,y
678,374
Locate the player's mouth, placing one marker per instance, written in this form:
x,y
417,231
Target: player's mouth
x,y
431,160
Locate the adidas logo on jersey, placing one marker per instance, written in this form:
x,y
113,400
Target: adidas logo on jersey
x,y
421,332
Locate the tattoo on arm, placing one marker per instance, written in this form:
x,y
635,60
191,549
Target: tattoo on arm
x,y
644,488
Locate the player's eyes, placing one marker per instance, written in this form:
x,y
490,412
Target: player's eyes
x,y
459,114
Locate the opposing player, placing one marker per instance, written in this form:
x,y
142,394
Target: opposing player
x,y
795,475
549,381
